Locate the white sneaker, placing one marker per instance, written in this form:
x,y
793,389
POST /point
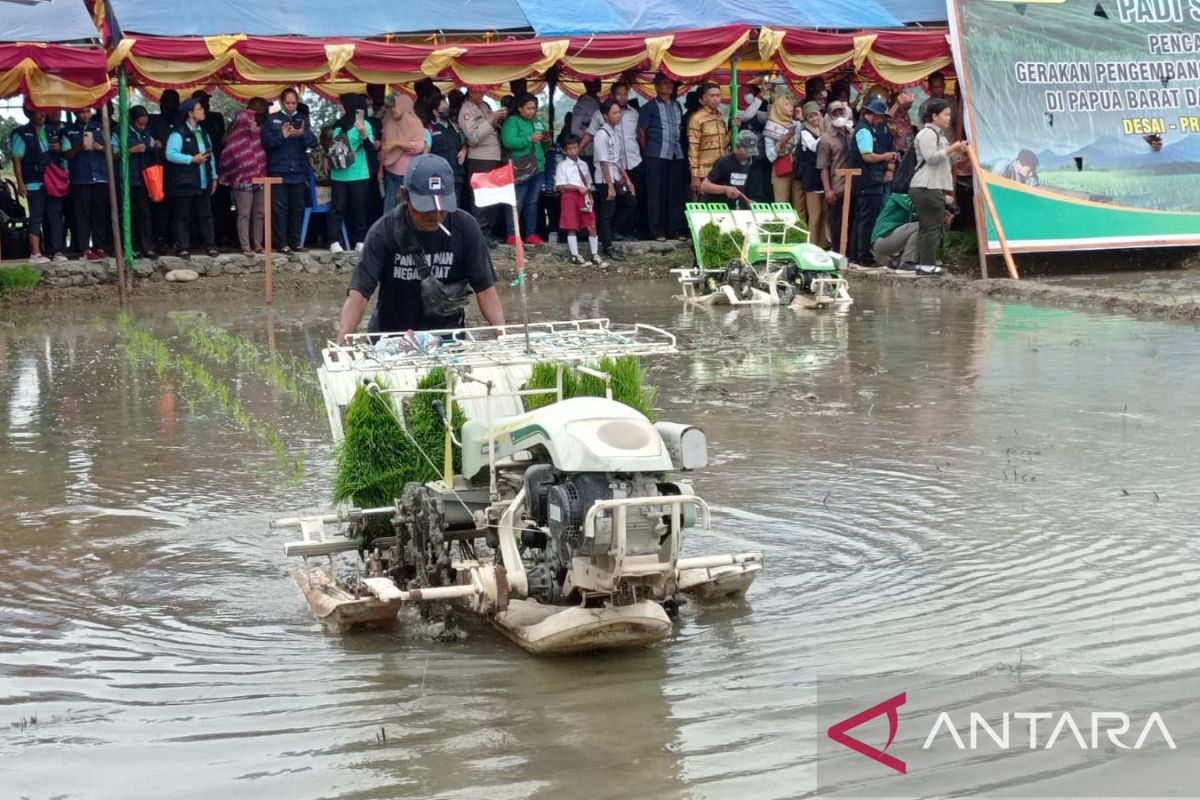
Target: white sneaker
x,y
598,261
59,258
336,247
358,247
39,259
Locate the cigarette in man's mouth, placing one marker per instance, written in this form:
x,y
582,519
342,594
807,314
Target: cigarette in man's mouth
x,y
444,229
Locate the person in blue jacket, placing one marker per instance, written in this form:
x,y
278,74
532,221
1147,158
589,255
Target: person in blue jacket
x,y
191,179
286,137
83,145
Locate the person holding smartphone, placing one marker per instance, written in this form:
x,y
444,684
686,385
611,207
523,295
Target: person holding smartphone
x,y
83,145
191,179
351,185
287,136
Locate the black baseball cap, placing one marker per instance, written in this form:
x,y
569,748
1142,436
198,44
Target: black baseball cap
x,y
430,184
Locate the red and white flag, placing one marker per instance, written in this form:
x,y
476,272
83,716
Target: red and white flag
x,y
495,187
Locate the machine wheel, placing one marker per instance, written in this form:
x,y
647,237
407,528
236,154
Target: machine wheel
x,y
423,546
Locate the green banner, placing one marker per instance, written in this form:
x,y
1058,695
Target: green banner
x,y
1086,118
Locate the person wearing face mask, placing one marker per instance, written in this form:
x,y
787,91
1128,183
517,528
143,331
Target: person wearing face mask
x,y
286,136
446,140
425,258
83,144
832,156
808,134
243,160
753,115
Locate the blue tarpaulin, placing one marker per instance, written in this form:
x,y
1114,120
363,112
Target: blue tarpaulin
x,y
317,18
351,18
916,10
584,17
56,21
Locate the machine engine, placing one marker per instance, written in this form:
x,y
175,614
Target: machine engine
x,y
555,535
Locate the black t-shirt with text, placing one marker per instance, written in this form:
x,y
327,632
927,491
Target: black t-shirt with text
x,y
394,253
728,171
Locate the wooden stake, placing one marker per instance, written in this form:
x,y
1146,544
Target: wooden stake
x,y
991,207
118,250
847,195
268,267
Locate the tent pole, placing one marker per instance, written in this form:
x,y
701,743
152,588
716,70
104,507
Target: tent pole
x,y
733,102
118,252
126,202
551,85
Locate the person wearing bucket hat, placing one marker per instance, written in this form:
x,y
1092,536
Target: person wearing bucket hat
x,y
191,179
726,181
425,258
872,153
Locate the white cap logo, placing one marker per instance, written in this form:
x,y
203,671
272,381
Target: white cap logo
x,y
435,183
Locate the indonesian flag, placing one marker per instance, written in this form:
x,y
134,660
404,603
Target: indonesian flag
x,y
495,187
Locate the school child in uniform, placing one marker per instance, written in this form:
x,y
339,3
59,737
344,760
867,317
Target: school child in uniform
x,y
573,180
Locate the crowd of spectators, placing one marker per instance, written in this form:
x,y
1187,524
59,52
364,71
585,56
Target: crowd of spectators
x,y
620,168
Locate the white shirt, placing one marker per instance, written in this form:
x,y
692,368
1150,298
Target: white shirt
x,y
608,151
572,173
627,127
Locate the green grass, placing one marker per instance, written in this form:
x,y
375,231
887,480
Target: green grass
x,y
629,386
16,278
378,457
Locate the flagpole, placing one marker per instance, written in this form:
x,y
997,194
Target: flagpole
x,y
521,274
498,187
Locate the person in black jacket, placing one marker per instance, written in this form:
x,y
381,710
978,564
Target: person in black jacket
x,y
446,140
871,155
286,137
143,152
84,145
191,179
33,149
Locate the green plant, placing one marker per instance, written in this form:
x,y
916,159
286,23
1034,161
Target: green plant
x,y
958,247
378,457
22,277
718,247
628,384
196,382
792,234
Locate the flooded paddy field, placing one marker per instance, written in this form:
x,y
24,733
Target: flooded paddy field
x,y
939,483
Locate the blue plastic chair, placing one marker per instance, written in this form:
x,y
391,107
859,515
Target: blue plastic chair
x,y
313,208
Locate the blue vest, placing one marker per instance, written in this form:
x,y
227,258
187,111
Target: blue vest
x,y
184,179
139,161
873,175
33,163
85,166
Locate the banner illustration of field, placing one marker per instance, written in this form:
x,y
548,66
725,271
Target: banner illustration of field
x,y
1086,118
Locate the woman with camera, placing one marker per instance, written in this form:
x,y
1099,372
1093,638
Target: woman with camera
x,y
933,181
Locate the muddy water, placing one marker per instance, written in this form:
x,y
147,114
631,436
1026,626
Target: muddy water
x,y
938,483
